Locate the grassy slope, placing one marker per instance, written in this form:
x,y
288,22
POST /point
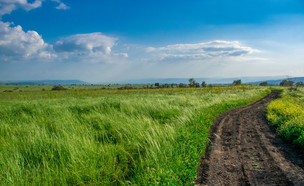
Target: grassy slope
x,y
287,114
143,138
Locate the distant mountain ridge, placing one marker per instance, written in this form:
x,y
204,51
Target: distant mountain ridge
x,y
277,82
199,80
45,82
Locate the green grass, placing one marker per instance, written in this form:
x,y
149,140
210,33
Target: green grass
x,y
115,137
287,114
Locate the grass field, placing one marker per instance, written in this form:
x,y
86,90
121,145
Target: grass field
x,y
110,137
38,88
287,114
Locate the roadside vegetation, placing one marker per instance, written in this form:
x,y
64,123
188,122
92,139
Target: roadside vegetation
x,y
110,136
287,114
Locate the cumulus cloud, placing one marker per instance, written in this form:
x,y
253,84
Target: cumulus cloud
x,y
217,48
92,48
7,6
86,43
17,44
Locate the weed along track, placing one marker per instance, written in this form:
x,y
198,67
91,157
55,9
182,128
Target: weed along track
x,y
245,150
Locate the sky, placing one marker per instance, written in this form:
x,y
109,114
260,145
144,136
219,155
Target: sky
x,y
120,40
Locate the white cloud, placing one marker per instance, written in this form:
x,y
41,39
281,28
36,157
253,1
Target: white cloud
x,y
198,51
17,44
126,55
7,6
89,48
61,5
47,55
86,43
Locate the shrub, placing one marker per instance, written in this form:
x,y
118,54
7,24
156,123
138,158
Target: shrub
x,y
300,83
58,87
204,84
264,83
182,85
237,82
125,88
286,83
192,83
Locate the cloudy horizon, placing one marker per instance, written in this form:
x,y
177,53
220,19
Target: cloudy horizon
x,y
102,41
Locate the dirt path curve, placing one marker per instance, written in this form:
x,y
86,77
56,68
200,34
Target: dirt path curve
x,y
245,150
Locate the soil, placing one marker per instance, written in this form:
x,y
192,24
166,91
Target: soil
x,y
244,149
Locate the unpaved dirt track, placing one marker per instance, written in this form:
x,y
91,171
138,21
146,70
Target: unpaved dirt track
x,y
245,150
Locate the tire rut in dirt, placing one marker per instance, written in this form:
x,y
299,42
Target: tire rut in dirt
x,y
242,152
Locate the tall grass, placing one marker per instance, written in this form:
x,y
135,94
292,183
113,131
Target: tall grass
x,y
287,114
111,139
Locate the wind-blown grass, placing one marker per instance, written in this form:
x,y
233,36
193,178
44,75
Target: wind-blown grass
x,y
287,114
114,138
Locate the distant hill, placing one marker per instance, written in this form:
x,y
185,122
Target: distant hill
x,y
45,82
277,82
273,80
199,80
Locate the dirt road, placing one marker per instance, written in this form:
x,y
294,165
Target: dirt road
x,y
245,150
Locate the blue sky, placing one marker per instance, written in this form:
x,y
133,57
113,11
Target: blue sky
x,y
117,40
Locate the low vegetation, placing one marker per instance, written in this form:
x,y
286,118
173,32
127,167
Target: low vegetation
x,y
110,137
263,83
287,114
57,87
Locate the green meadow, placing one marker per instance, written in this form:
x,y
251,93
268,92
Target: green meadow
x,y
97,136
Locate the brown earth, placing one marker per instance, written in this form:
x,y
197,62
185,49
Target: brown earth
x,y
245,150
